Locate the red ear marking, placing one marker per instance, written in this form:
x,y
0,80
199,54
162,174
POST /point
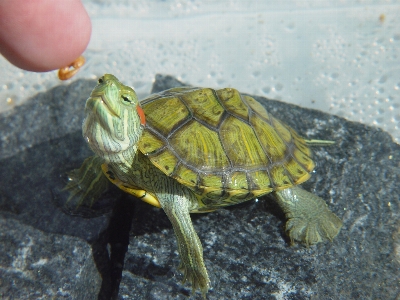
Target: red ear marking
x,y
141,115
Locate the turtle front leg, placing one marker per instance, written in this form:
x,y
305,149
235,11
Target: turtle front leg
x,y
176,206
309,219
86,184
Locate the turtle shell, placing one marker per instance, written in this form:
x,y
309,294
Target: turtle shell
x,y
222,141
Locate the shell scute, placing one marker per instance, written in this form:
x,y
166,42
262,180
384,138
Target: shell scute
x,y
238,180
284,131
166,161
150,142
271,141
165,114
232,100
280,178
199,146
296,171
191,177
261,180
212,180
204,107
256,107
241,144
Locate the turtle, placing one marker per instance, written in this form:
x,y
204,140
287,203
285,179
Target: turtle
x,y
192,150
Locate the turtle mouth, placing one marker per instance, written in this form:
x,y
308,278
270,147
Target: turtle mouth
x,y
99,106
99,101
108,107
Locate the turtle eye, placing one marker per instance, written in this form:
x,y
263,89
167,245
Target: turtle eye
x,y
126,99
101,80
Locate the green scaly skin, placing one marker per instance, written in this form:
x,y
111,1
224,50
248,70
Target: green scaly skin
x,y
112,129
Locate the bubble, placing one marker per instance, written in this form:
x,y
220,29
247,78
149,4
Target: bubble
x,y
341,113
334,75
290,26
397,118
220,81
383,79
10,101
379,101
266,90
278,87
38,87
354,112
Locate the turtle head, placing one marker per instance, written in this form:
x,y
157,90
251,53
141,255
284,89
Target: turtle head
x,y
114,120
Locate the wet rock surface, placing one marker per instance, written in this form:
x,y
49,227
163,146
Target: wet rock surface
x,y
246,251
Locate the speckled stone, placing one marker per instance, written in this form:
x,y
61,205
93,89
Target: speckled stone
x,y
40,265
246,251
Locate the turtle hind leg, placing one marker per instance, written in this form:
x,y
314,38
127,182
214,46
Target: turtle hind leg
x,y
309,219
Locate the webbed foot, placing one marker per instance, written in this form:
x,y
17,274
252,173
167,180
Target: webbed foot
x,y
309,219
312,231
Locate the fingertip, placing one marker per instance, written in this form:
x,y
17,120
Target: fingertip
x,y
43,35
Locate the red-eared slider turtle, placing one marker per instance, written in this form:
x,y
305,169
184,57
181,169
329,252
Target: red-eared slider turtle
x,y
196,150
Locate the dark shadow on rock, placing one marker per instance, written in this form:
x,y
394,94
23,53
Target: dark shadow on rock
x,y
33,178
110,263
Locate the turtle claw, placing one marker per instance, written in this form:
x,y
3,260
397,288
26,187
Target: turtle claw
x,y
314,231
197,277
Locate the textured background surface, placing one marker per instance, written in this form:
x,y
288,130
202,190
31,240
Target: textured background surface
x,y
46,252
341,57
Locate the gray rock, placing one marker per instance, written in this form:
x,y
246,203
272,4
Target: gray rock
x,y
246,251
39,265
